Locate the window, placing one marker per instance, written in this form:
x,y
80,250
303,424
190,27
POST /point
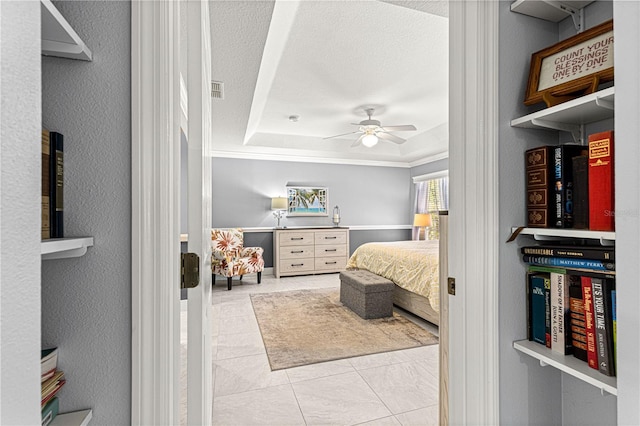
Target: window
x,y
432,196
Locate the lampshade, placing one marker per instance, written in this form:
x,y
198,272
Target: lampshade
x,y
278,203
422,220
369,140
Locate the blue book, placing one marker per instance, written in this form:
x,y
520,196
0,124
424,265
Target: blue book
x,y
615,330
564,262
538,309
50,411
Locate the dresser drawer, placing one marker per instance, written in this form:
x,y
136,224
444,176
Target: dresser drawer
x,y
296,265
296,239
331,250
297,252
330,263
331,237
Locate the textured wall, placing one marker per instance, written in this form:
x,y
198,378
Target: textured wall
x,y
20,206
367,195
86,302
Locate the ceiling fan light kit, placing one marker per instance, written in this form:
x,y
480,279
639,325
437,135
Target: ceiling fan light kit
x,y
372,131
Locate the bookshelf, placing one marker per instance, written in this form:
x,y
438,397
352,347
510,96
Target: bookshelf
x,y
561,379
59,39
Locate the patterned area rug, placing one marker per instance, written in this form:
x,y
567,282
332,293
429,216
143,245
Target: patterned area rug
x,y
309,326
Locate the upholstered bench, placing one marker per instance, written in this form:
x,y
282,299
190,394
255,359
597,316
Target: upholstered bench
x,y
367,294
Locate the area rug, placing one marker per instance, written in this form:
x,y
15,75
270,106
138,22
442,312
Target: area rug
x,y
310,326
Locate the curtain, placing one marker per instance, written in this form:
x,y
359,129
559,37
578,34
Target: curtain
x,y
432,195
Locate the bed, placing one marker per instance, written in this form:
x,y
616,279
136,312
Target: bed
x,y
412,266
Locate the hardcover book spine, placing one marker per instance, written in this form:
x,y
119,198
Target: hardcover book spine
x,y
46,182
595,265
560,335
57,185
615,329
581,192
538,182
538,309
603,347
578,333
601,182
547,311
592,356
573,252
563,184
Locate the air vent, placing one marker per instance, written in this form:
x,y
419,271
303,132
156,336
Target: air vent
x,y
217,90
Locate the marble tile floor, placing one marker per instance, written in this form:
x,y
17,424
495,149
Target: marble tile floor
x,y
391,388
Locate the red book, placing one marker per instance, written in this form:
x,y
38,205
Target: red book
x,y
589,326
601,188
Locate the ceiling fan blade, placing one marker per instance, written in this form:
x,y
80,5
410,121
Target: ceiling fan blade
x,y
344,134
389,137
358,141
402,127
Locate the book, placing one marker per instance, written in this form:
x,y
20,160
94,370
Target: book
x,y
50,411
560,330
581,192
538,314
57,184
565,262
547,311
601,182
575,252
576,308
589,326
48,363
46,181
537,186
615,329
601,290
563,183
51,387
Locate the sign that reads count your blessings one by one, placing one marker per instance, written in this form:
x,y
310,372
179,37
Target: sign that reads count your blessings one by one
x,y
578,61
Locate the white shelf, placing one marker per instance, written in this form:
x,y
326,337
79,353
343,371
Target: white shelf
x,y
558,234
76,418
547,10
568,364
58,37
63,248
571,115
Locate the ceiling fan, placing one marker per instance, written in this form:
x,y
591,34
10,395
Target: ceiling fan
x,y
372,131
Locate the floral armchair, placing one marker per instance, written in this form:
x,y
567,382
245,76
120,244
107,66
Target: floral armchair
x,y
229,258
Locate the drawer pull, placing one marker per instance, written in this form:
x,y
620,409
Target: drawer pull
x,y
297,238
297,251
330,249
297,264
330,238
330,263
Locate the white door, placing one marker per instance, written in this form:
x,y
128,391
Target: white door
x,y
199,359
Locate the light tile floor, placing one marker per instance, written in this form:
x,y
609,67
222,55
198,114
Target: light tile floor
x,y
391,388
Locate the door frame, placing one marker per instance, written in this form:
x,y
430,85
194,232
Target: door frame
x,y
473,212
155,202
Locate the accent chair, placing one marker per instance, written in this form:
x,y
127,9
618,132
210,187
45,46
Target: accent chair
x,y
229,257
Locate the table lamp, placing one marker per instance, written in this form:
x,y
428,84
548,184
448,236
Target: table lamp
x,y
278,205
422,220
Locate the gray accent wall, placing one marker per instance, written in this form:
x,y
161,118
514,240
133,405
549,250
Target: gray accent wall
x,y
86,301
529,393
366,195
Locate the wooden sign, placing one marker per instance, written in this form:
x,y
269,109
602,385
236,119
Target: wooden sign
x,y
571,68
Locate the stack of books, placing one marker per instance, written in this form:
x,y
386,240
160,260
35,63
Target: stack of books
x,y
571,186
571,302
52,381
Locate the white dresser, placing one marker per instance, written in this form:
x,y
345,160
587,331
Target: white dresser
x,y
302,251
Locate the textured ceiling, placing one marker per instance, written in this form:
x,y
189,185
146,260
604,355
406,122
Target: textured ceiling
x,y
325,61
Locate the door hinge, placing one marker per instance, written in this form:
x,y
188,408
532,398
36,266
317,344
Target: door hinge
x,y
189,270
451,286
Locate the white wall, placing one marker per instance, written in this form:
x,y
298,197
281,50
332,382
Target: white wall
x,y
20,207
86,308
